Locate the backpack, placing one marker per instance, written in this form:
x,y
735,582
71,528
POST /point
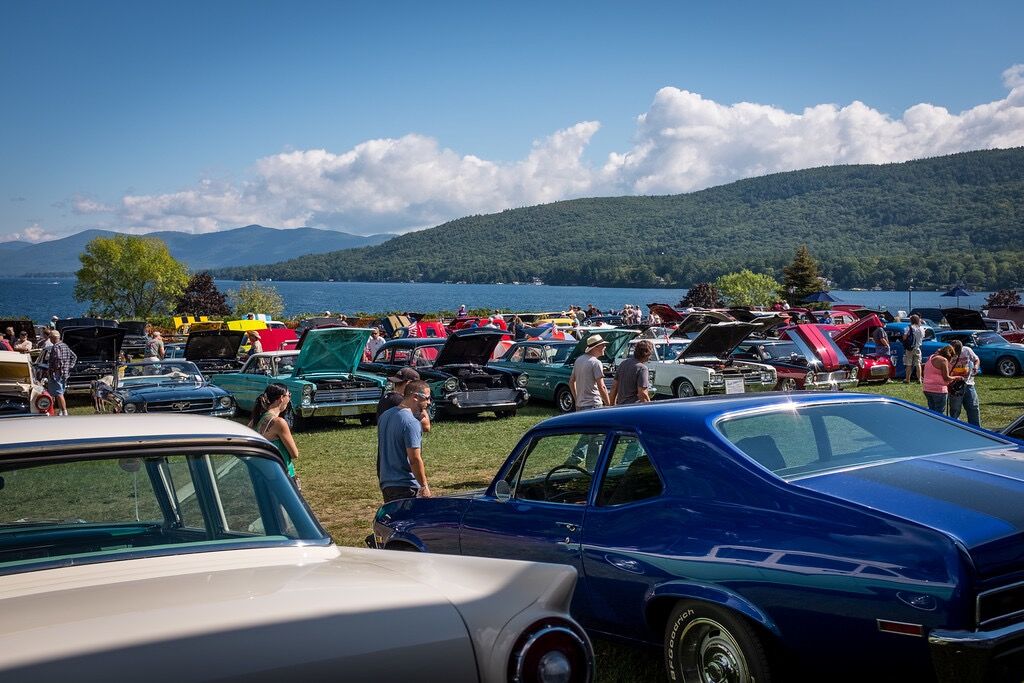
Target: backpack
x,y
909,338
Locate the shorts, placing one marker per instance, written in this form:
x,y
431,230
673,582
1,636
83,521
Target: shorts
x,y
55,386
391,493
912,356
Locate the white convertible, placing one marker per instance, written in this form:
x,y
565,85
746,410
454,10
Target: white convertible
x,y
21,393
175,548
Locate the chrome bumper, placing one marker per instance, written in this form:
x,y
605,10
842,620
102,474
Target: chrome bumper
x,y
832,382
348,409
977,656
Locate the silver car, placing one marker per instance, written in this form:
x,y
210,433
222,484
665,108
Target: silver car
x,y
175,548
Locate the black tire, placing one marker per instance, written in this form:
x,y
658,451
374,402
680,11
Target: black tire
x,y
564,400
1007,366
683,388
706,642
505,413
367,420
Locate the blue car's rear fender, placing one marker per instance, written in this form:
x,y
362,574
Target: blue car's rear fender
x,y
659,601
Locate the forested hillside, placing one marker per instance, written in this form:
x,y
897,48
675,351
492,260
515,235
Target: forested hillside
x,y
940,220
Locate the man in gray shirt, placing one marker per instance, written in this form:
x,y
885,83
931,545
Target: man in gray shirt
x,y
399,438
587,379
632,381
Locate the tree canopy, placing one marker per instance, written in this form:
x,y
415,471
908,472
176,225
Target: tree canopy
x,y
128,277
201,297
253,297
745,288
802,277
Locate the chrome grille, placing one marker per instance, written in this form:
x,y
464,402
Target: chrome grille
x,y
201,405
1001,606
347,395
485,397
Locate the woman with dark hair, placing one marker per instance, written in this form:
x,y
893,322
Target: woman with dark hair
x,y
266,419
937,378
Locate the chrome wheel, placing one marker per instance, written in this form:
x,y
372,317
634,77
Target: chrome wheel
x,y
708,653
1007,366
683,388
564,399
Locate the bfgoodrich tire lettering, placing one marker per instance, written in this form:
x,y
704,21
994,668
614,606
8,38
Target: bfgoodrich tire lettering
x,y
705,643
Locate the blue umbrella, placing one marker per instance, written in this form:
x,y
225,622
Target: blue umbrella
x,y
958,292
820,297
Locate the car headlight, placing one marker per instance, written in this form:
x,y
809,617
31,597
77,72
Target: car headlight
x,y
307,394
522,380
226,401
389,386
130,407
766,378
717,379
450,385
809,377
43,403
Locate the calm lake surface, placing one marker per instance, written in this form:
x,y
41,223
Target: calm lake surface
x,y
41,298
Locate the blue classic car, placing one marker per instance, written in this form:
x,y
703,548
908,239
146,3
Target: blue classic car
x,y
835,534
997,355
895,332
168,386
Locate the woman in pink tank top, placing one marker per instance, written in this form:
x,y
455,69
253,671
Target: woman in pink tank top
x,y
937,378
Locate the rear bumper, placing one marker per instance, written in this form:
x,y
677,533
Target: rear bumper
x,y
978,656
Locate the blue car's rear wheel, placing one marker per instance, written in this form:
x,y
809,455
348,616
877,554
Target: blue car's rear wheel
x,y
708,644
1007,366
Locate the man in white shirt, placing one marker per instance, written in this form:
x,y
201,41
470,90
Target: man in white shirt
x,y
374,343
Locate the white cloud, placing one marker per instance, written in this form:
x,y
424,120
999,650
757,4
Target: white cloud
x,y
683,143
34,233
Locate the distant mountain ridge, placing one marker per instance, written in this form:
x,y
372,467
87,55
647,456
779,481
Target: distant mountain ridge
x,y
957,218
253,244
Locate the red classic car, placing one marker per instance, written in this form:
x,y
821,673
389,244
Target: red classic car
x,y
872,367
806,359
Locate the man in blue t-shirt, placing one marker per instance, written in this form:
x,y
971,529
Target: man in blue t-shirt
x,y
399,437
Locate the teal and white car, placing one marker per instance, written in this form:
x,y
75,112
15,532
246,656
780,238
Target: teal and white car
x,y
321,375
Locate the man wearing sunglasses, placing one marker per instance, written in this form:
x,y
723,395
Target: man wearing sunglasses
x,y
400,466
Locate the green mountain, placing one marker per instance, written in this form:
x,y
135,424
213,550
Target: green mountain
x,y
237,247
941,220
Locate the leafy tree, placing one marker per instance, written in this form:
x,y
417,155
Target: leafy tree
x,y
701,295
1004,297
801,276
129,277
252,297
746,288
201,297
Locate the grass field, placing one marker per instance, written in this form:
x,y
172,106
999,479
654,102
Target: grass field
x,y
336,467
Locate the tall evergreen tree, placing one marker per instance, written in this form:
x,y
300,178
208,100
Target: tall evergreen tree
x,y
801,276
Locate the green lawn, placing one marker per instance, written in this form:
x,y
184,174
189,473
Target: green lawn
x,y
336,467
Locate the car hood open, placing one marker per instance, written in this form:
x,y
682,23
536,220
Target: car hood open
x,y
209,344
817,346
473,346
964,319
94,343
974,497
718,340
697,321
665,312
617,341
84,322
857,334
135,328
331,350
19,326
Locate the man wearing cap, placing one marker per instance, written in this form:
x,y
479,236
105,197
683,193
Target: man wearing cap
x,y
587,380
397,395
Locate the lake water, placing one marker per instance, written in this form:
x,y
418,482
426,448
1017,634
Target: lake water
x,y
40,298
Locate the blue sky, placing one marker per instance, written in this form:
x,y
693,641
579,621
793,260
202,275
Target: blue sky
x,y
390,116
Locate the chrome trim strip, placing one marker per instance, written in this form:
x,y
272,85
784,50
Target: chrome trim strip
x,y
992,591
532,640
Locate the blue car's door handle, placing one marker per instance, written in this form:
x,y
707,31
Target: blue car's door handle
x,y
568,526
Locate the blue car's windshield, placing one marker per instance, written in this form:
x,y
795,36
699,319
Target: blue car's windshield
x,y
986,338
804,439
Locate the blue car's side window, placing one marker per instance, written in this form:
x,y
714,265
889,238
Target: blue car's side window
x,y
558,468
630,475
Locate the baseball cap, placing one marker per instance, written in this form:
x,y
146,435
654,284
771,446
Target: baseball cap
x,y
404,375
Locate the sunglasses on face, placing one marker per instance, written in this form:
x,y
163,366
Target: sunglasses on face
x,y
423,397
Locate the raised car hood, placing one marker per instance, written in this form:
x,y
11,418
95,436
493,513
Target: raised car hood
x,y
135,328
718,341
94,343
84,322
209,344
617,341
858,334
974,497
469,346
817,346
964,319
331,350
665,312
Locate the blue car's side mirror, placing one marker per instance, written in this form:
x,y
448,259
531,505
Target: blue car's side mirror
x,y
502,491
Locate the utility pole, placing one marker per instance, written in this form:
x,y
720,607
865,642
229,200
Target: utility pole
x,y
910,296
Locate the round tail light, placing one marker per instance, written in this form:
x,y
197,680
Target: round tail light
x,y
44,403
551,652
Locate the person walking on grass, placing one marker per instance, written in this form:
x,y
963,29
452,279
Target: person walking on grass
x,y
586,383
395,397
268,419
912,339
400,469
60,359
632,380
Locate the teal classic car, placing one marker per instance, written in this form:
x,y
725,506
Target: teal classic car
x,y
321,375
549,363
